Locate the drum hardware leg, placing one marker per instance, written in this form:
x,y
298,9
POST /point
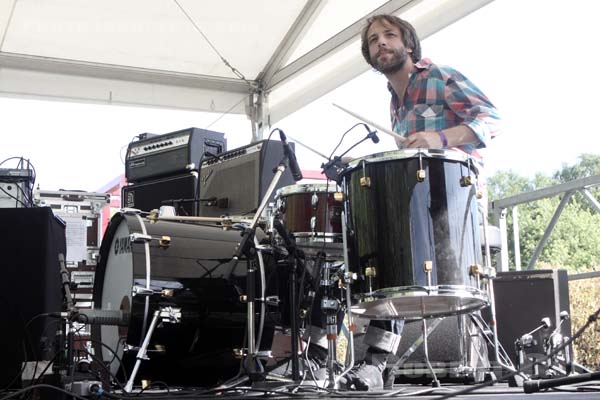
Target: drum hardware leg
x,y
348,278
252,364
404,357
331,307
164,314
491,337
436,382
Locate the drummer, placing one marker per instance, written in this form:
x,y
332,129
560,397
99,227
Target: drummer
x,y
432,106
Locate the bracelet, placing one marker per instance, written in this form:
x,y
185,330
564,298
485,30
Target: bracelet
x,y
443,138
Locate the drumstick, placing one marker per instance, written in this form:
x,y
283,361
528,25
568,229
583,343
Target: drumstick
x,y
366,121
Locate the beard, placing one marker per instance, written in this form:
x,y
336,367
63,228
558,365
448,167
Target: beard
x,y
396,61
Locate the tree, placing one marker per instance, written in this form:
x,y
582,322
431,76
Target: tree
x,y
575,241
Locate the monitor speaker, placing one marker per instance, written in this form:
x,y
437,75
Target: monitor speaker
x,y
523,298
178,191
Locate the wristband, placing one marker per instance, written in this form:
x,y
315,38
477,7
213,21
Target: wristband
x,y
443,138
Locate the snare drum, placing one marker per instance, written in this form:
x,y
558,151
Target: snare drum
x,y
190,272
414,237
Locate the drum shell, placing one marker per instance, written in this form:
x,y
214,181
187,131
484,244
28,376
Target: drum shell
x,y
398,223
297,207
193,269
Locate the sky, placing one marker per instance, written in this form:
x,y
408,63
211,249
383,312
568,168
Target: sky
x,y
536,60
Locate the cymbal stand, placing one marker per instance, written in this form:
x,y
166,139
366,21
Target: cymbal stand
x,y
164,314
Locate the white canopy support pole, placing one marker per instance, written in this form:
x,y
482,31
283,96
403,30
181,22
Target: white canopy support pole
x,y
256,112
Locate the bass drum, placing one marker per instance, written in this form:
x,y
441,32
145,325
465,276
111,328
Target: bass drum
x,y
190,272
414,234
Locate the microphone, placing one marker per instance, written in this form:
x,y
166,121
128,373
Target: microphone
x,y
289,153
373,136
102,317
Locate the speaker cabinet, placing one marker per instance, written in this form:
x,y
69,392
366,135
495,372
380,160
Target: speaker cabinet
x,y
235,183
30,241
178,191
523,298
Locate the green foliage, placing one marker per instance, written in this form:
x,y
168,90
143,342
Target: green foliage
x,y
574,244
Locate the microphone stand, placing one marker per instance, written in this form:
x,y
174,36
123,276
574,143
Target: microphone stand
x,y
245,248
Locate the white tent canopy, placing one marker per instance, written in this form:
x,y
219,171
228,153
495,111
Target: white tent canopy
x,y
264,58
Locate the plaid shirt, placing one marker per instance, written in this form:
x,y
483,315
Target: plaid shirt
x,y
439,97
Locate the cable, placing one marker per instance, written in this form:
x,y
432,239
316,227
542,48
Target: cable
x,y
235,71
113,352
342,139
42,386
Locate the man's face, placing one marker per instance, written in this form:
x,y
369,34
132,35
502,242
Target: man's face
x,y
386,47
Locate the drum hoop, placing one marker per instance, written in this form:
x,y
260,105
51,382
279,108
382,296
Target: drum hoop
x,y
445,154
415,291
306,188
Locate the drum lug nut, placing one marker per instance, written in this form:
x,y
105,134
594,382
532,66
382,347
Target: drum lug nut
x,y
421,175
466,181
428,266
272,300
238,353
338,196
365,181
475,269
164,242
243,298
371,272
302,314
167,292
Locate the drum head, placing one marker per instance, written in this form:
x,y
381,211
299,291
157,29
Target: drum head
x,y
116,293
419,302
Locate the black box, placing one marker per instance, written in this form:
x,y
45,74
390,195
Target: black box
x,y
179,191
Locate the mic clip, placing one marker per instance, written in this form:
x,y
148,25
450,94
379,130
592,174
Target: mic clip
x,y
333,169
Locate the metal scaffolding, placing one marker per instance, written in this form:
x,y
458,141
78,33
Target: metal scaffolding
x,y
499,210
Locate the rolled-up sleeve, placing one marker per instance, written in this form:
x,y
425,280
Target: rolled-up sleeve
x,y
473,107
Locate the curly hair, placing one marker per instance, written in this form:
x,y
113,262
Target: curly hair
x,y
409,36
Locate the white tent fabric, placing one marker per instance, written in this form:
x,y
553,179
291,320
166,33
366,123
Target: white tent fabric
x,y
264,58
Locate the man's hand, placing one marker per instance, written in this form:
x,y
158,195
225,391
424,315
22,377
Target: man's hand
x,y
424,140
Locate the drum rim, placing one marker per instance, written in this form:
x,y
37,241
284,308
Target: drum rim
x,y
446,154
415,290
317,187
477,300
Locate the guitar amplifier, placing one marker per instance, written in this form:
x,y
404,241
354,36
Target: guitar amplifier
x,y
171,154
178,191
235,182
